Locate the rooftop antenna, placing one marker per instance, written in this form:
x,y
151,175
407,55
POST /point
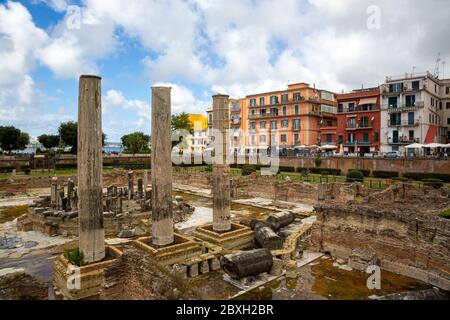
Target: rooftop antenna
x,y
436,68
413,70
443,69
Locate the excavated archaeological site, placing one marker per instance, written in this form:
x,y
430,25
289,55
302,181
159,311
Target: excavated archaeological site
x,y
163,234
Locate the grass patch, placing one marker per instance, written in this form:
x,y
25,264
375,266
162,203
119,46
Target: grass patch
x,y
445,214
12,213
74,256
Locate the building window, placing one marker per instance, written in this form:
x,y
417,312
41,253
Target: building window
x,y
296,124
297,96
274,111
410,101
351,107
392,101
364,122
253,125
284,111
273,100
448,121
273,125
410,118
432,101
262,138
340,107
284,123
262,101
447,90
284,97
376,136
252,102
447,105
415,85
351,137
263,112
396,87
296,140
283,138
253,112
262,124
329,137
296,109
365,137
411,135
340,139
253,140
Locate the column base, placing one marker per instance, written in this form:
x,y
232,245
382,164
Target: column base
x,y
76,283
238,238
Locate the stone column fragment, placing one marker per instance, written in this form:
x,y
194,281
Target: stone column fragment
x,y
162,215
90,206
54,192
130,185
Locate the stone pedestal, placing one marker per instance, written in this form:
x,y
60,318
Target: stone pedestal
x,y
237,238
77,283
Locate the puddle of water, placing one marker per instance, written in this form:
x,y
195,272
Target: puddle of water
x,y
37,265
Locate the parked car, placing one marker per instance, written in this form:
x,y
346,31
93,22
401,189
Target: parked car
x,y
392,154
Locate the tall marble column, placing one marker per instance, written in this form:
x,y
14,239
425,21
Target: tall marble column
x,y
89,158
162,215
221,169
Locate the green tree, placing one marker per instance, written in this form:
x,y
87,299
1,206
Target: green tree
x,y
181,121
135,142
12,138
49,141
68,132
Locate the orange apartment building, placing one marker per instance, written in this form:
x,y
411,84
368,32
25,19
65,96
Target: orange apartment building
x,y
299,115
359,121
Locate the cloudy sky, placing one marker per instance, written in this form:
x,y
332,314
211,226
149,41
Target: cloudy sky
x,y
199,48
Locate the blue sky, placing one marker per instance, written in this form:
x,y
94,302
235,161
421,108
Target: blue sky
x,y
200,48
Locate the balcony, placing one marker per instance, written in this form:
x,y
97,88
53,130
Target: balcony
x,y
404,123
359,125
358,143
402,141
403,107
363,108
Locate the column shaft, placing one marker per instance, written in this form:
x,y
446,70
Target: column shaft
x,y
162,215
221,169
89,159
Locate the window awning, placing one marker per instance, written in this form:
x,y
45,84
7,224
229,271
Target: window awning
x,y
367,101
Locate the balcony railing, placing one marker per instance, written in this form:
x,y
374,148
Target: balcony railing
x,y
402,141
403,123
275,115
358,109
358,143
359,125
403,107
290,100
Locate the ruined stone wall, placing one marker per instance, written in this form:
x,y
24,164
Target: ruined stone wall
x,y
401,165
136,276
399,229
21,286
